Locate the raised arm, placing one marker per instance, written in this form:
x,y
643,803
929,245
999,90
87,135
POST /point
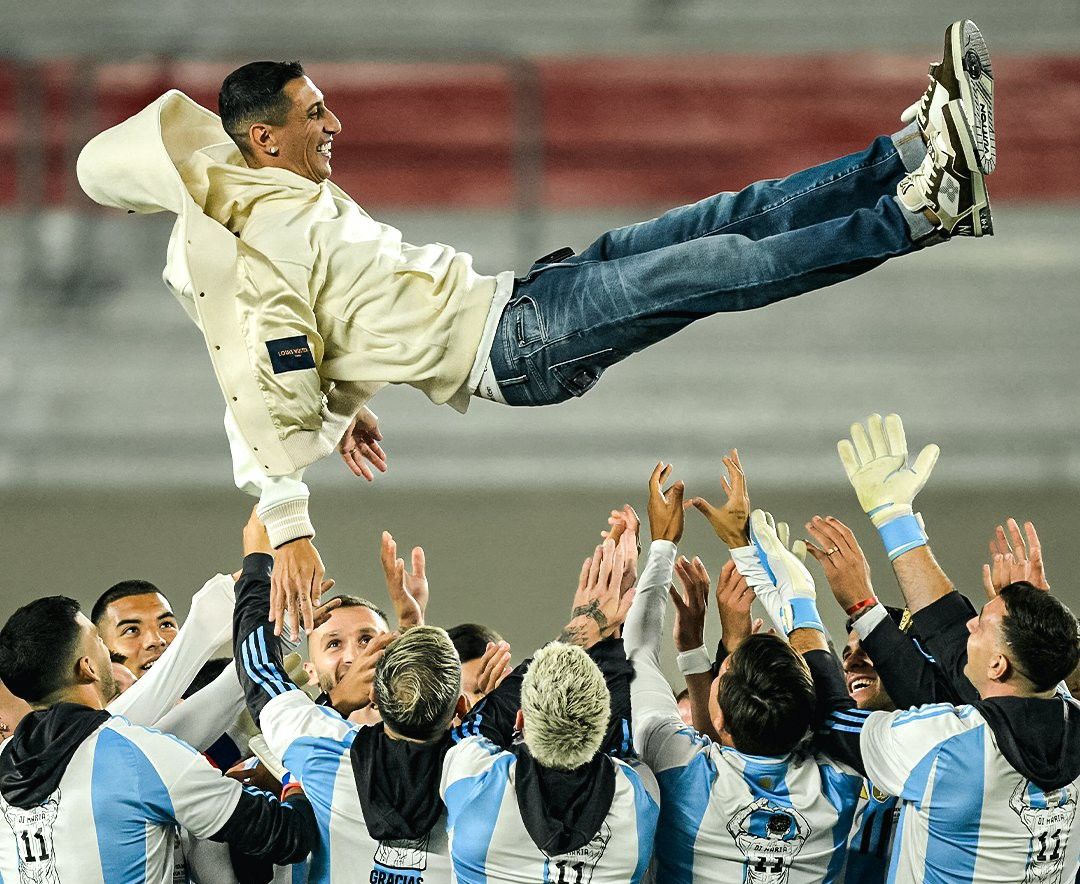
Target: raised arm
x,y
651,697
596,618
905,671
840,723
875,460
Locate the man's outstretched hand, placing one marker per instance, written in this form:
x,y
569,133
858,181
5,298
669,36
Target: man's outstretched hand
x,y
731,522
408,590
360,448
296,586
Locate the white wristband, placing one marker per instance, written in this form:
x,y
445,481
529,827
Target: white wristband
x,y
694,661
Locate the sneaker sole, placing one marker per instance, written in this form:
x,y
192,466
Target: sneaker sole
x,y
971,56
981,219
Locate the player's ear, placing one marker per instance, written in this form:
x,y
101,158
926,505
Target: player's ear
x,y
461,708
85,671
1000,668
519,722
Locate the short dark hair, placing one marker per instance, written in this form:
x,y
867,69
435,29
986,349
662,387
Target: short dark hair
x,y
254,94
37,645
767,696
1042,633
117,591
471,640
354,601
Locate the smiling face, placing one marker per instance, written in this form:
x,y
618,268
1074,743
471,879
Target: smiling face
x,y
137,629
333,647
863,683
302,144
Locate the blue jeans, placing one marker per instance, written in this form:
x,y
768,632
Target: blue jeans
x,y
572,316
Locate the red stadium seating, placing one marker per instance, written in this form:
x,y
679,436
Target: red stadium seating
x,y
10,134
649,131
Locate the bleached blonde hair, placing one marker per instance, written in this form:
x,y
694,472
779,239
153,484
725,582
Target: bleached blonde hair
x,y
418,682
566,705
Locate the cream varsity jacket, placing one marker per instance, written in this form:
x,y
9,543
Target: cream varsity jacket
x,y
308,305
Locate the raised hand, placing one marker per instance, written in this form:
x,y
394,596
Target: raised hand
x,y
296,586
360,443
599,606
841,557
624,526
875,460
1011,560
665,507
790,599
690,609
730,521
408,590
734,598
494,667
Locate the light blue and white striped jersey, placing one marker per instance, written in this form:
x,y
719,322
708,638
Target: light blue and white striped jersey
x,y
967,814
489,842
113,818
870,845
725,816
314,744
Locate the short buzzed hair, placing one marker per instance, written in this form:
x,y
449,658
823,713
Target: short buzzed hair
x,y
121,590
418,682
354,601
566,704
254,94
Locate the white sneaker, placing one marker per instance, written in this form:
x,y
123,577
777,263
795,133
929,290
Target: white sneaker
x,y
963,73
949,184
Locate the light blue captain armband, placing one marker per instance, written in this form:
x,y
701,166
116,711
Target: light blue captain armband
x,y
901,535
802,613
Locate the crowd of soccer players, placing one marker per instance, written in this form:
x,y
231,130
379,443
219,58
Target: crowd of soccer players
x,y
941,744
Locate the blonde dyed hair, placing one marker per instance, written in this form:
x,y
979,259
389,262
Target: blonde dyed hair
x,y
418,682
566,705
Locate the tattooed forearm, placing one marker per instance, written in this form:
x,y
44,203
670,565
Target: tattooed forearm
x,y
575,634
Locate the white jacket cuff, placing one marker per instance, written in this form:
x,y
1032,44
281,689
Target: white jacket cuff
x,y
287,520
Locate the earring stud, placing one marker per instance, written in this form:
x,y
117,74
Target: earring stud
x,y
273,151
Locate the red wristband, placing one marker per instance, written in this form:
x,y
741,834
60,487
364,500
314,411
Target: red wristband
x,y
860,606
291,789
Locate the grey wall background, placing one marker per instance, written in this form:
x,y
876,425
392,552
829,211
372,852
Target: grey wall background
x,y
113,463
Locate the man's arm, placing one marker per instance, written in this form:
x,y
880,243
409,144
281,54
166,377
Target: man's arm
x,y
875,460
198,798
839,721
656,720
908,675
689,632
206,628
598,611
201,719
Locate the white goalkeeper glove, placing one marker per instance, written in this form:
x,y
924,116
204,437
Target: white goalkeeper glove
x,y
875,460
777,575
